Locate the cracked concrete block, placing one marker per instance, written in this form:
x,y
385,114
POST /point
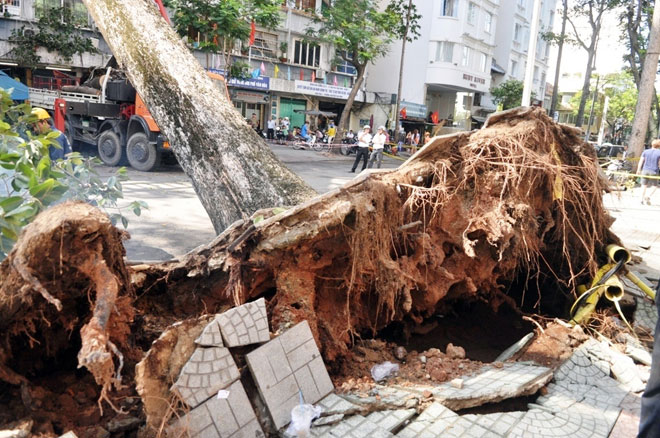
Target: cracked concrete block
x,y
357,426
515,348
333,404
541,423
646,314
432,418
625,371
498,424
579,368
386,397
207,371
232,417
211,336
286,365
246,324
491,385
390,419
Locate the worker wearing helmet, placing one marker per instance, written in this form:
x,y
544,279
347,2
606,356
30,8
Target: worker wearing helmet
x,y
42,126
364,140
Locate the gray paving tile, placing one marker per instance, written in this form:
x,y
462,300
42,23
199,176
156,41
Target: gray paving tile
x,y
391,419
646,314
334,404
498,424
540,423
232,417
357,426
494,384
207,371
211,336
433,418
384,397
246,324
610,360
580,368
286,365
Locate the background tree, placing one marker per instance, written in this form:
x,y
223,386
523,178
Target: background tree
x,y
216,26
361,32
558,39
591,11
509,94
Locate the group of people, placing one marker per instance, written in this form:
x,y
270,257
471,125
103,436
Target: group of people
x,y
364,140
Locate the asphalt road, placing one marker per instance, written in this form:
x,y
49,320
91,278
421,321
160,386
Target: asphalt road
x,y
176,222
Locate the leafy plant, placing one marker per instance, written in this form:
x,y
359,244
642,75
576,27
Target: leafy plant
x,y
508,94
240,70
30,181
57,31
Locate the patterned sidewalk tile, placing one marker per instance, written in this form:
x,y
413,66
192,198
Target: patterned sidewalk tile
x,y
232,417
500,423
246,324
540,423
285,366
391,420
334,404
646,314
207,371
211,336
356,426
512,380
422,425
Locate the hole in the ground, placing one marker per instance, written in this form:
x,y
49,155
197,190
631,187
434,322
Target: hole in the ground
x,y
483,333
508,405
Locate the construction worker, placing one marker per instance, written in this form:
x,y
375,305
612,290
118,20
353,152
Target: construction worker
x,y
42,126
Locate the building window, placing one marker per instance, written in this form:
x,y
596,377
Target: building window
x,y
488,24
514,68
265,45
543,79
472,14
300,4
76,7
536,74
521,3
444,51
345,66
450,8
465,60
517,32
547,49
308,54
483,62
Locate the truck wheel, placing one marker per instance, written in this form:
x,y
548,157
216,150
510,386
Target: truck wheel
x,y
142,155
110,150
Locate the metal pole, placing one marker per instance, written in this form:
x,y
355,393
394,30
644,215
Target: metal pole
x,y
398,93
531,55
591,113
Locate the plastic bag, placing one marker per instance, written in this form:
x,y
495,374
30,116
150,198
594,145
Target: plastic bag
x,y
301,420
384,370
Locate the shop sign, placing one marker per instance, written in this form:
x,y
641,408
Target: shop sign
x,y
249,96
260,83
323,90
414,109
473,80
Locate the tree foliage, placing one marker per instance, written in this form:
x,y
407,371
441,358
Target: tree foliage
x,y
30,181
509,94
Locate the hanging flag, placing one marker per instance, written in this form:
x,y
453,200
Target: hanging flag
x,y
277,71
288,73
404,113
253,33
334,82
435,117
256,73
263,68
302,77
313,76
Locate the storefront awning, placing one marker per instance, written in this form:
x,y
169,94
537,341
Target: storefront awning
x,y
316,113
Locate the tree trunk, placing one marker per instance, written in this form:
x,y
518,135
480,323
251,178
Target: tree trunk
x,y
232,169
560,49
346,113
646,88
587,82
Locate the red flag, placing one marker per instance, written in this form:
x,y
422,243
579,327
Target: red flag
x,y
302,78
253,31
334,82
435,117
313,76
403,113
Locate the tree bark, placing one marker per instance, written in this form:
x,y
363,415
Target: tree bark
x,y
646,88
346,112
560,49
232,169
591,54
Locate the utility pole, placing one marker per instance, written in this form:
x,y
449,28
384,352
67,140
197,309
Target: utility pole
x,y
403,53
593,106
531,55
560,49
603,120
643,109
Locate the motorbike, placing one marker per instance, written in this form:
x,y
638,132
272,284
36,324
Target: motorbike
x,y
279,135
301,143
348,146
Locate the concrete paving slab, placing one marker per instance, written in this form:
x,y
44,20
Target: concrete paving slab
x,y
232,417
357,426
386,397
391,419
422,426
499,424
285,366
207,371
610,360
580,368
334,404
491,385
246,324
541,423
211,336
646,314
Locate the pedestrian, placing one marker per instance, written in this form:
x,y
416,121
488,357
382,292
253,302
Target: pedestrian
x,y
379,144
648,165
350,135
304,131
427,137
649,421
332,131
254,122
364,138
271,129
285,123
401,138
43,126
414,141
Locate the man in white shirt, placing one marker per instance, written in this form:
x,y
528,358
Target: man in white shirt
x,y
364,139
378,144
271,129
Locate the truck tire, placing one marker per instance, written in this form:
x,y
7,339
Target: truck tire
x,y
110,149
142,155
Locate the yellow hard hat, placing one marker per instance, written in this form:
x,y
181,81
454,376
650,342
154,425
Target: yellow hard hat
x,y
41,113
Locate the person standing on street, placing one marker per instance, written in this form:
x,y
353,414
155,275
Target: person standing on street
x,y
364,138
271,129
379,145
648,165
42,126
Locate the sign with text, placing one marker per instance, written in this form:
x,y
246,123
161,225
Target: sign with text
x,y
474,80
260,83
414,109
323,90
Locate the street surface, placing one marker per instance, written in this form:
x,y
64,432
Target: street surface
x,y
176,222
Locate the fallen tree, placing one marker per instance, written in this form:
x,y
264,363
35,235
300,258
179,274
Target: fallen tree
x,y
466,218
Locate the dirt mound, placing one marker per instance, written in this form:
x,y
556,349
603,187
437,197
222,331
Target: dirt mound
x,y
508,214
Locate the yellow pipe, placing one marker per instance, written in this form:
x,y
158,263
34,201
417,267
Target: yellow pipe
x,y
602,271
588,305
640,284
613,289
616,253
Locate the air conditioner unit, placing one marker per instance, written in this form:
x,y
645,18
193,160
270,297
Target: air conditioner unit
x,y
320,74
